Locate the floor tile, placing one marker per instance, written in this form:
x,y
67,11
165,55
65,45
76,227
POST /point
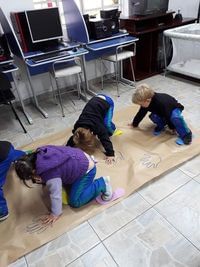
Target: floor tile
x,y
110,220
192,167
19,263
96,257
182,210
159,188
149,241
18,139
66,248
197,178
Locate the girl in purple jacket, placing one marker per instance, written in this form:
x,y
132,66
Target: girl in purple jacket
x,y
58,166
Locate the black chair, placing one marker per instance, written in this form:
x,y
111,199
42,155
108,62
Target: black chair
x,y
6,96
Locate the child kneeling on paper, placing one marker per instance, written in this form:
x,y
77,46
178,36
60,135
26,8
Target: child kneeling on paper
x,y
62,165
165,110
95,121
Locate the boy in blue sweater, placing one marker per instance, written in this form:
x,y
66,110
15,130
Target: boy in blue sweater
x,y
8,154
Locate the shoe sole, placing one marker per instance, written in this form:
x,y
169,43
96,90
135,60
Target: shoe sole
x,y
4,218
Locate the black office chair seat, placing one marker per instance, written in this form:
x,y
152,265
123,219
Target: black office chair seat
x,y
6,96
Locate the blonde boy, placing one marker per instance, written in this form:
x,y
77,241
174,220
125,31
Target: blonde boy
x,y
165,110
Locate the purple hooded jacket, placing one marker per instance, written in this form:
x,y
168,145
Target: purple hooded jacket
x,y
58,165
64,162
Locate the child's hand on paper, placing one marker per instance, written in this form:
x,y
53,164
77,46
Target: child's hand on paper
x,y
50,219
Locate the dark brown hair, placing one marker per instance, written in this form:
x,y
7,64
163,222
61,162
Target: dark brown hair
x,y
25,167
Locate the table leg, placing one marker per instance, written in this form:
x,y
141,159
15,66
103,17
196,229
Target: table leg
x,y
41,110
28,117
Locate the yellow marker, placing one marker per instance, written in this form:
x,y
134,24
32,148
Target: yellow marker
x,y
117,132
64,196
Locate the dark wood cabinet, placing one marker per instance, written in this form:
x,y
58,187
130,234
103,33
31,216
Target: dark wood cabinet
x,y
149,59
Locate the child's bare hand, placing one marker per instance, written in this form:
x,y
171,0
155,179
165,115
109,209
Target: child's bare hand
x,y
50,219
130,125
110,160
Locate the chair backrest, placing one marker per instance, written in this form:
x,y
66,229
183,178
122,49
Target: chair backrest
x,y
10,35
62,63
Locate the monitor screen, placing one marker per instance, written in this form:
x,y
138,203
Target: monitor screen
x,y
44,24
156,5
145,7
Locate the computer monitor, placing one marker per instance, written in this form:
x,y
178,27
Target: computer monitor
x,y
147,7
44,24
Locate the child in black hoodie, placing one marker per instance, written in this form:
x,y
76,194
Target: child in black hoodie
x,y
95,120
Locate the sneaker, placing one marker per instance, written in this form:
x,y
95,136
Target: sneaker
x,y
4,216
188,138
158,130
179,141
106,196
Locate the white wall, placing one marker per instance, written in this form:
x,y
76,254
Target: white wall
x,y
188,8
9,5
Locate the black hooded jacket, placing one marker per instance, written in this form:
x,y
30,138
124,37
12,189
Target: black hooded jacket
x,y
92,118
162,105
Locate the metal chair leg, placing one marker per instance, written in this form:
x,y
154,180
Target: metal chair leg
x,y
53,90
59,98
79,85
132,69
102,74
116,66
17,117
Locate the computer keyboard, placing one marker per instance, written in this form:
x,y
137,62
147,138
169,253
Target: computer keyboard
x,y
49,56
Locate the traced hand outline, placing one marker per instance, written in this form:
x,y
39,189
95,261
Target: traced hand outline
x,y
151,160
118,157
37,226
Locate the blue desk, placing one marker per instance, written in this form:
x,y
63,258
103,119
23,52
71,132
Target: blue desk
x,y
33,68
77,31
110,43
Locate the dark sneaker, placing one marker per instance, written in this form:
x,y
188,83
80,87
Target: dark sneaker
x,y
158,130
188,138
3,216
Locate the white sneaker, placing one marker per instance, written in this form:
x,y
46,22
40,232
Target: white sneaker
x,y
106,196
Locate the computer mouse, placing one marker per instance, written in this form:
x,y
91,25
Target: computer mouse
x,y
74,49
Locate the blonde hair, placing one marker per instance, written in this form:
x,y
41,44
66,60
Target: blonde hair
x,y
142,93
84,139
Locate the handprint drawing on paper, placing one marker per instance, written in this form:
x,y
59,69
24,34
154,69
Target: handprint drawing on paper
x,y
150,160
118,157
37,226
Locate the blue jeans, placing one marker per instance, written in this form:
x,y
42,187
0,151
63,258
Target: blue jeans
x,y
176,119
179,123
160,122
4,167
110,126
86,189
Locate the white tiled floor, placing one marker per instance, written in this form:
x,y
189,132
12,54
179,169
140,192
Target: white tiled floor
x,y
157,226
